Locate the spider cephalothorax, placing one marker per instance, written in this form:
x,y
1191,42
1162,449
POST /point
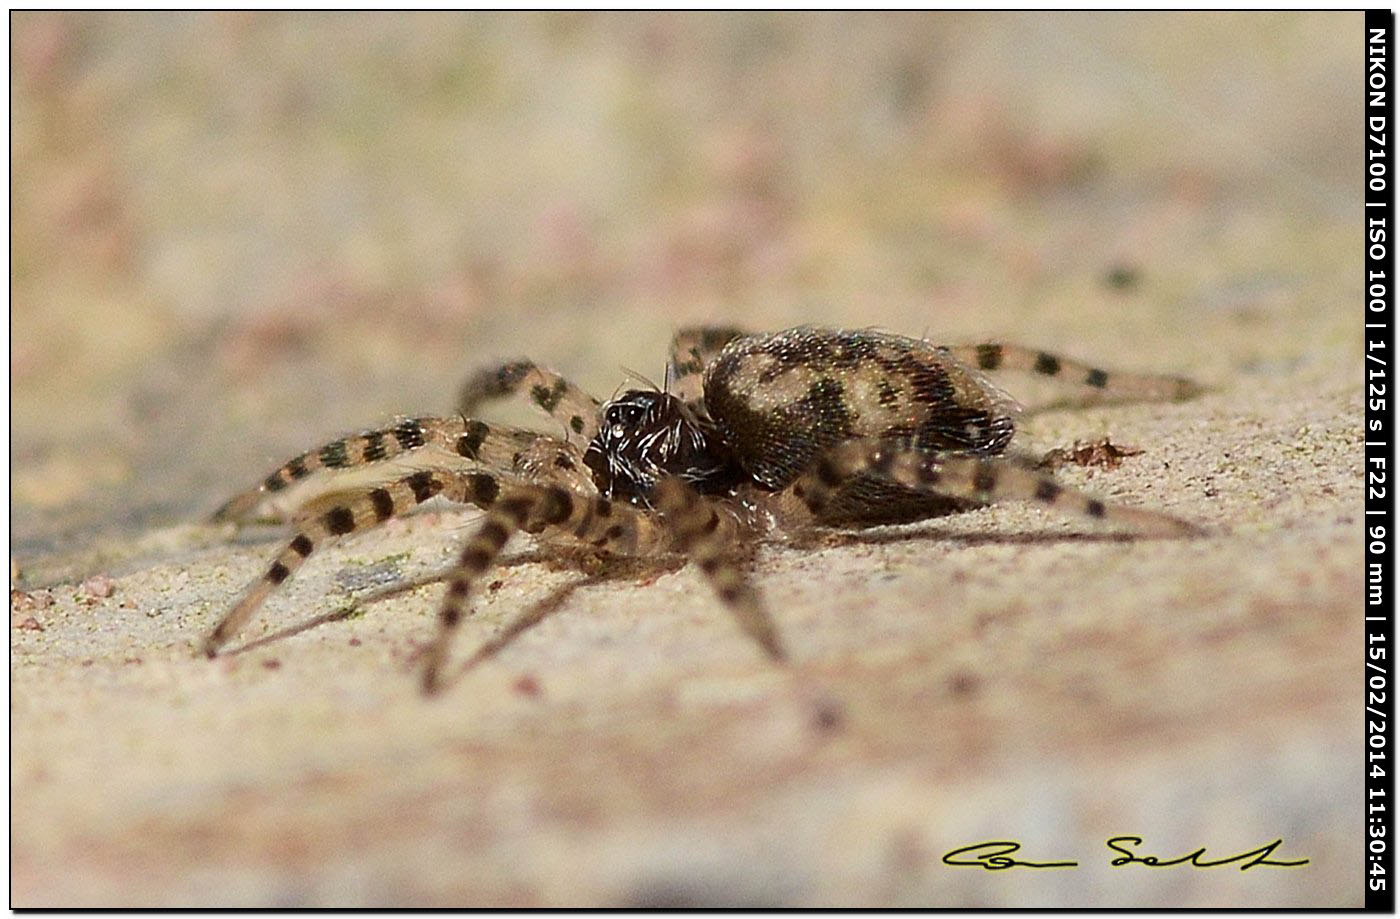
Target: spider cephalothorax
x,y
645,435
806,427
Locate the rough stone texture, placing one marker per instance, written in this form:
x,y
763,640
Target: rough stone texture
x,y
237,236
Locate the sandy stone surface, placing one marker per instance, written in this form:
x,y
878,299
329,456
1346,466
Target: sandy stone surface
x,y
236,237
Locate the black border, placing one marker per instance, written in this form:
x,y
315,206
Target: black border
x,y
1379,178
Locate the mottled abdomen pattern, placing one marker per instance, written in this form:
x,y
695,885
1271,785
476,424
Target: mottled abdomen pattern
x,y
783,398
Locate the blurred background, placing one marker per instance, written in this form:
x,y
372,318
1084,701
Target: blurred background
x,y
237,234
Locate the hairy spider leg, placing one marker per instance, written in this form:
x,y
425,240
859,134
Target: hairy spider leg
x,y
986,479
692,350
495,446
549,392
706,534
1111,385
334,515
612,526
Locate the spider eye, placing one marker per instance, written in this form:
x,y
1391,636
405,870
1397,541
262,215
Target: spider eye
x,y
624,416
617,431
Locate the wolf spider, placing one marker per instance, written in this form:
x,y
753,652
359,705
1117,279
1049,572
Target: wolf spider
x,y
753,435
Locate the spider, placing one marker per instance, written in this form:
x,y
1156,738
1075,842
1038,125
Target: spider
x,y
753,436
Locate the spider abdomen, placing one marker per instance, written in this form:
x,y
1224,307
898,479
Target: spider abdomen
x,y
778,400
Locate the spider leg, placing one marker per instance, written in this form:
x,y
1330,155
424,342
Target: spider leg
x,y
980,478
705,534
533,508
692,349
561,400
334,515
491,445
1101,383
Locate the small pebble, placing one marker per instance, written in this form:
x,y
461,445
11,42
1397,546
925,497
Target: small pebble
x,y
962,683
828,716
99,585
21,600
527,685
1122,277
31,624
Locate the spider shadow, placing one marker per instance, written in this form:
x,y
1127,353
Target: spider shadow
x,y
336,615
353,607
889,535
601,570
595,570
612,569
620,569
